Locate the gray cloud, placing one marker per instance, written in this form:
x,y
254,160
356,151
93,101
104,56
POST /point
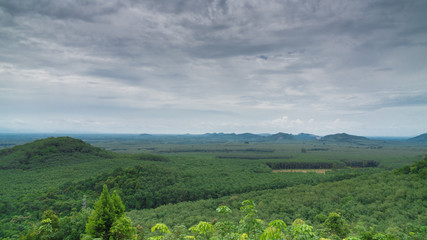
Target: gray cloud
x,y
67,9
260,60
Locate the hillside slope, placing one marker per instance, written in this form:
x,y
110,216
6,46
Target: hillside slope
x,y
383,201
50,151
419,139
344,138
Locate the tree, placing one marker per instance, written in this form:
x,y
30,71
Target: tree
x,y
162,228
336,225
102,217
73,227
203,229
249,224
107,220
118,206
122,229
45,230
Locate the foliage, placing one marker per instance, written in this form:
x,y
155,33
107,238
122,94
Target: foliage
x,y
249,228
336,225
249,224
162,228
72,227
381,200
417,168
55,228
62,170
276,229
61,150
122,229
203,229
107,220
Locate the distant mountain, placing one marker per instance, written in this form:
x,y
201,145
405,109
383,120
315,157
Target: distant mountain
x,y
229,137
306,136
145,135
50,151
281,136
249,136
344,137
216,135
419,138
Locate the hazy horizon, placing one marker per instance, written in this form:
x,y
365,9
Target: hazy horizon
x,y
103,134
177,67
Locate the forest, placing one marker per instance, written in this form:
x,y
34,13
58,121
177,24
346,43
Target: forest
x,y
213,186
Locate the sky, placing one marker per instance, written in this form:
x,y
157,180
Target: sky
x,y
197,66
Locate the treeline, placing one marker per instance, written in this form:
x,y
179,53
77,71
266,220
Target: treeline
x,y
323,165
305,165
361,164
225,150
149,157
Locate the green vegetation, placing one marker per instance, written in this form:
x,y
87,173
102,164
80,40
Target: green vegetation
x,y
107,220
418,168
50,151
52,184
394,204
345,138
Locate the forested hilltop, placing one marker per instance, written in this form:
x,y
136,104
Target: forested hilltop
x,y
181,184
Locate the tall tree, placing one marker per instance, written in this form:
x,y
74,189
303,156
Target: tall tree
x,y
102,217
118,206
107,219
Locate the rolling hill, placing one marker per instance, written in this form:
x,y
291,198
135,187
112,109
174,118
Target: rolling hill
x,y
50,151
420,138
345,138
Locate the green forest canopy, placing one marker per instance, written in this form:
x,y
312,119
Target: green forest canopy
x,y
156,180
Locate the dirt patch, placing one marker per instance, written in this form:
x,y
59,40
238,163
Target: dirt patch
x,y
322,171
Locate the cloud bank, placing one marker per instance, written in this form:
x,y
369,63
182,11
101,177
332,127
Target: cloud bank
x,y
214,66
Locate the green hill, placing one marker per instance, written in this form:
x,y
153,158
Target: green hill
x,y
306,136
50,162
344,138
50,151
281,136
420,138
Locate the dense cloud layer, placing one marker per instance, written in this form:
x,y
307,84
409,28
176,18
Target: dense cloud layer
x,y
204,66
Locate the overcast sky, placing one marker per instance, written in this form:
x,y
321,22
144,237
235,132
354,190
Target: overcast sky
x,y
196,66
